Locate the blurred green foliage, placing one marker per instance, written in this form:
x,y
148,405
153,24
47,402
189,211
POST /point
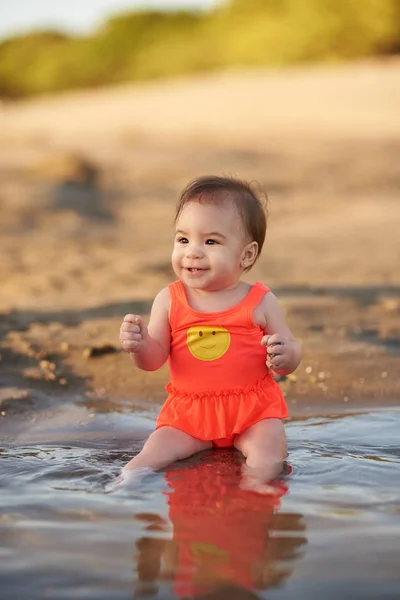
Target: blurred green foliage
x,y
144,45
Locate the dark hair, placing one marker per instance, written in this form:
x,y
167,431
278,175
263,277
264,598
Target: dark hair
x,y
251,204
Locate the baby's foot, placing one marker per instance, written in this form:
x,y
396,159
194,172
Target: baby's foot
x,y
128,479
261,479
252,484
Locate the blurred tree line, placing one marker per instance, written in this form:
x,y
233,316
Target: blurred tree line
x,y
144,45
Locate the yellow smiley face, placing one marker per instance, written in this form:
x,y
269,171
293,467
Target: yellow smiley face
x,y
208,343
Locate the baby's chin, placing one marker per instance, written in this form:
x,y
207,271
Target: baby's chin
x,y
203,279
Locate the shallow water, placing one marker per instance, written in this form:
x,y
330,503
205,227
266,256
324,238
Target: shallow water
x,y
191,531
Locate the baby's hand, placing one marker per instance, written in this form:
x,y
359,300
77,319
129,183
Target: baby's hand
x,y
132,332
278,351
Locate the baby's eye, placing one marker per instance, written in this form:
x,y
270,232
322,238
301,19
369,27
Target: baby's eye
x,y
182,240
211,242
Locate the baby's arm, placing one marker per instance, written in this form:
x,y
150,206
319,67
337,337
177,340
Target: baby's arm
x,y
283,352
148,346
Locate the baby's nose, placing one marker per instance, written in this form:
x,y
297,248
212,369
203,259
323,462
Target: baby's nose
x,y
194,251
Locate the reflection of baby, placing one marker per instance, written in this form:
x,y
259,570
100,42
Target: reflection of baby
x,y
220,534
220,530
223,338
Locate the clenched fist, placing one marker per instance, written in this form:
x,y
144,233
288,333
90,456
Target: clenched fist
x,y
279,351
132,333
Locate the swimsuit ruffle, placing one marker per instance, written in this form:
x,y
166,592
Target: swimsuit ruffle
x,y
255,387
212,415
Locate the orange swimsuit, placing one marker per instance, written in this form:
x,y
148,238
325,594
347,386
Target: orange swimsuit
x,y
220,384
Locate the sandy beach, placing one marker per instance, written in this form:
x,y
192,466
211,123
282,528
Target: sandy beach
x,y
88,182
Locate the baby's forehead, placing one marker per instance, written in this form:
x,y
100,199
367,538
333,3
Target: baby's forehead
x,y
197,212
221,203
216,217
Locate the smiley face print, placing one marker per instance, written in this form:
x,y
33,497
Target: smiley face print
x,y
208,343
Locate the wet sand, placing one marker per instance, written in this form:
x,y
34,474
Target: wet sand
x,y
82,243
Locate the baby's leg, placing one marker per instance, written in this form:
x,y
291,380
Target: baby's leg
x,y
265,448
165,446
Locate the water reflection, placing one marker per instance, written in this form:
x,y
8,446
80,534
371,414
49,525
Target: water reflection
x,y
195,533
223,542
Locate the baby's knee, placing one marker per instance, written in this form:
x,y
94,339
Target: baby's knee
x,y
267,449
166,441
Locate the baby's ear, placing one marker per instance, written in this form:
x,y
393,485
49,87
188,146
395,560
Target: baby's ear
x,y
249,255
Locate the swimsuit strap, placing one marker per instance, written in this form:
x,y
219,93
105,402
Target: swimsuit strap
x,y
177,292
178,297
255,295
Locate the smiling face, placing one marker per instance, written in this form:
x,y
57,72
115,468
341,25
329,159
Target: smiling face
x,y
208,343
210,246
